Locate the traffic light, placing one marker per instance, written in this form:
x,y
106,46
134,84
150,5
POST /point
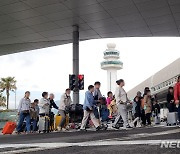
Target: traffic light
x,y
72,81
81,82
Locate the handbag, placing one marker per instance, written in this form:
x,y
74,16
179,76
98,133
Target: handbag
x,y
67,109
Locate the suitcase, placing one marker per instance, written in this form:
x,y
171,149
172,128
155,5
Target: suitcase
x,y
157,119
44,124
163,114
172,118
58,120
51,116
9,128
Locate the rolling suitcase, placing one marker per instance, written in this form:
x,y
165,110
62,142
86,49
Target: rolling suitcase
x,y
58,119
9,128
157,118
44,124
172,118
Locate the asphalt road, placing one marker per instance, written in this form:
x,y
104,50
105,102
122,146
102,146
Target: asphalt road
x,y
139,140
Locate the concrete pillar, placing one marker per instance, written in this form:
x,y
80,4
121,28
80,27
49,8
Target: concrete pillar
x,y
76,61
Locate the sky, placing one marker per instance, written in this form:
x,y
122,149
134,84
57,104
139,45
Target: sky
x,y
48,69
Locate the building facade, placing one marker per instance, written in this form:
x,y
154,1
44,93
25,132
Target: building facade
x,y
159,82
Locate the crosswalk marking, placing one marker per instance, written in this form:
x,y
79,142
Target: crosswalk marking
x,y
24,148
49,146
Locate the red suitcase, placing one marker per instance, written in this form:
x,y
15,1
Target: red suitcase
x,y
9,128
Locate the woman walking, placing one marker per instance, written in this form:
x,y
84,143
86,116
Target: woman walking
x,y
24,112
121,101
148,106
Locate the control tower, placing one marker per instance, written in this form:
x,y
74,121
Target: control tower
x,y
111,64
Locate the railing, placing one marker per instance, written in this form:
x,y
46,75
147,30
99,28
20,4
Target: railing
x,y
111,63
164,84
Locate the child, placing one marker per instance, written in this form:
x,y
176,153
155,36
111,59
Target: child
x,y
136,111
34,115
109,100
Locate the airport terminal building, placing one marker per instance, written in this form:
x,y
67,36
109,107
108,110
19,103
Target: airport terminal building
x,y
159,82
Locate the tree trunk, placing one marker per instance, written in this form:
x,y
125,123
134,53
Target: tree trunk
x,y
7,93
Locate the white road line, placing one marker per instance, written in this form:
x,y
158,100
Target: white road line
x,y
135,136
114,141
49,146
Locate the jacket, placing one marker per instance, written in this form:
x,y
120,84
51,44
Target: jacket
x,y
137,107
169,97
24,104
108,100
147,104
34,113
89,100
97,95
53,104
121,96
44,105
65,101
177,91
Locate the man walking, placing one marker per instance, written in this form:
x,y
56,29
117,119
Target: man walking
x,y
65,103
88,109
121,101
97,93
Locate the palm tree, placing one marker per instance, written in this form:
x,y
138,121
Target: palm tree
x,y
2,100
8,84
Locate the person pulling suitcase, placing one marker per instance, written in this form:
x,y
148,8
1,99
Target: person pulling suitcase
x,y
24,113
44,121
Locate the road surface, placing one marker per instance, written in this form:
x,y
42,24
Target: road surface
x,y
136,141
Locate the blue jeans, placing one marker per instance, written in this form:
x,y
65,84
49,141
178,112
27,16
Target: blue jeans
x,y
34,124
22,117
179,112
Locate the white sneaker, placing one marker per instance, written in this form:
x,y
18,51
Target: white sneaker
x,y
63,129
59,128
138,125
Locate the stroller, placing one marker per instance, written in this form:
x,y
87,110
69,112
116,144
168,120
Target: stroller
x,y
76,115
102,113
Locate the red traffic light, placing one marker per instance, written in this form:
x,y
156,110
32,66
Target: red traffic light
x,y
80,77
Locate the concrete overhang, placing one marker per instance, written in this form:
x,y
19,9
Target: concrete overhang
x,y
33,24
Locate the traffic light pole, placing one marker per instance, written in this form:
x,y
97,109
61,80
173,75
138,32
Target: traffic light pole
x,y
76,61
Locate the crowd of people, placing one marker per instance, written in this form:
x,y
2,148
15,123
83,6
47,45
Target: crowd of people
x,y
30,112
142,106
